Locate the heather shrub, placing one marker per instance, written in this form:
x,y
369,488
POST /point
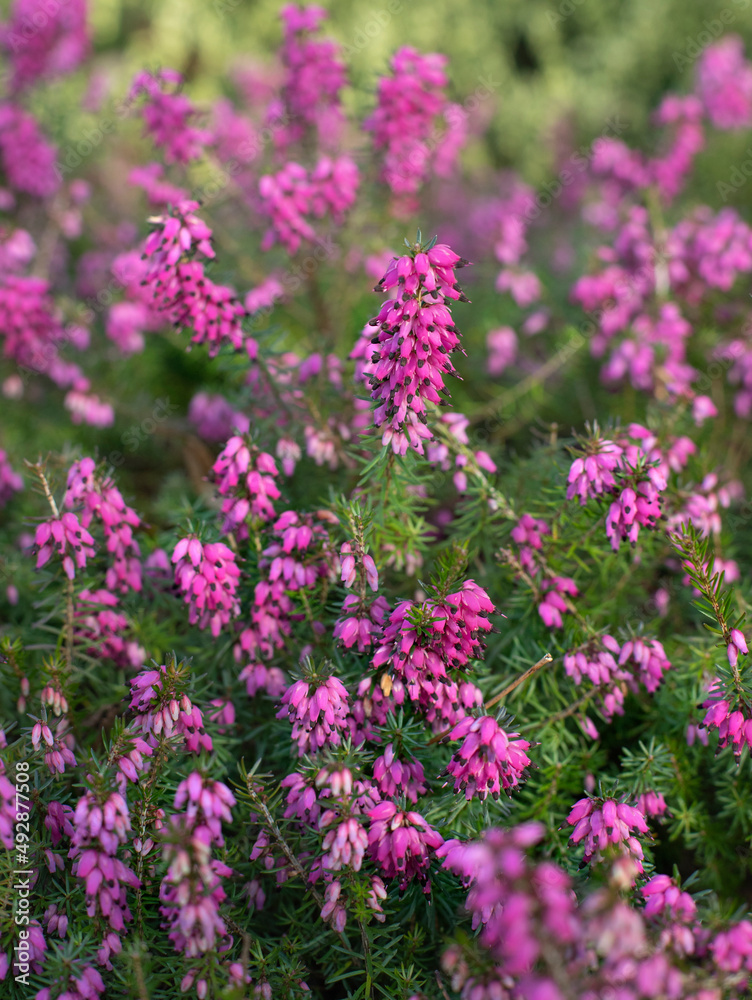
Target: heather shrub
x,y
374,536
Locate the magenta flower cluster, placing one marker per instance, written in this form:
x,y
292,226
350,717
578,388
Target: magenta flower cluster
x,y
411,350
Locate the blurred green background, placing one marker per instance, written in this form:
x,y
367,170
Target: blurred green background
x,y
553,60
560,70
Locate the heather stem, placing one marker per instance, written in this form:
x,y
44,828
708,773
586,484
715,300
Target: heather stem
x,y
368,960
69,592
523,677
285,847
142,812
687,544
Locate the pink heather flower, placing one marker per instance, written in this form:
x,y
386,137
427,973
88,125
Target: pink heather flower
x,y
158,565
334,187
100,499
99,829
332,909
489,760
180,233
412,348
592,473
191,892
422,641
41,731
17,250
651,804
208,576
41,44
86,408
234,136
125,326
702,408
732,949
401,842
130,762
524,286
37,948
515,902
302,801
54,921
724,84
179,287
527,533
66,536
286,200
632,510
502,349
314,77
736,644
167,114
102,628
32,331
553,604
609,823
207,800
263,297
58,821
732,724
318,715
300,553
664,897
260,677
223,714
58,749
163,708
213,417
344,844
600,666
407,104
348,567
28,160
292,196
245,479
695,732
7,812
150,178
452,702
395,776
10,481
457,132
270,622
347,559
647,659
361,624
85,984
